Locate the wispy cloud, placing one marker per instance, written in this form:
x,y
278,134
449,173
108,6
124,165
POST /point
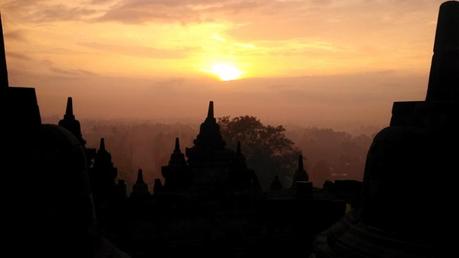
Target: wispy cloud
x,y
18,35
47,10
186,11
62,13
139,51
17,55
71,72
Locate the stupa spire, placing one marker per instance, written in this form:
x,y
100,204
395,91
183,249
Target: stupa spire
x,y
102,144
3,68
177,145
70,123
300,174
444,73
210,112
209,136
300,163
140,177
69,108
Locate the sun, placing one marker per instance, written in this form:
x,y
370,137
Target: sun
x,y
226,72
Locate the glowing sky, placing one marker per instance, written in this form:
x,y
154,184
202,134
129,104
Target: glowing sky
x,y
131,58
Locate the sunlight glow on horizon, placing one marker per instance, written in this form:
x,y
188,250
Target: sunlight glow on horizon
x,y
257,43
315,59
226,72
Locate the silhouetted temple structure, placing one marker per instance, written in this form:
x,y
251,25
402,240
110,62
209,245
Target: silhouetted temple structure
x,y
276,185
407,208
211,170
300,174
4,84
103,175
52,213
140,188
177,175
70,123
158,186
121,190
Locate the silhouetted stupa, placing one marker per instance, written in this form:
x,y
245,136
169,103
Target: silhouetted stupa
x,y
276,185
209,138
52,213
3,69
103,175
408,188
140,188
158,186
300,174
70,123
176,174
210,170
121,189
18,105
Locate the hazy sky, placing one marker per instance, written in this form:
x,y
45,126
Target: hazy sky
x,y
310,62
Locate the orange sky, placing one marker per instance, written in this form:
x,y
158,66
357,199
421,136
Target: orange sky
x,y
310,62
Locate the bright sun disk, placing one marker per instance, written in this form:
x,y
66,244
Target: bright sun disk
x,y
226,72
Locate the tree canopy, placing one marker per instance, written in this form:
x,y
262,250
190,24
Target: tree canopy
x,y
267,150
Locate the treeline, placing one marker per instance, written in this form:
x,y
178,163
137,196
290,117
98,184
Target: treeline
x,y
328,154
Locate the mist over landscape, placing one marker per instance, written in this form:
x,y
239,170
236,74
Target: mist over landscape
x,y
329,154
343,102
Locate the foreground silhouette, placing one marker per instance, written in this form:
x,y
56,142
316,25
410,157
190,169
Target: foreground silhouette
x,y
51,214
407,196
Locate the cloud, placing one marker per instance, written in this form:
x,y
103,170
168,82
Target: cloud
x,y
17,56
140,51
17,35
143,11
184,11
49,68
255,12
62,13
140,11
48,11
71,72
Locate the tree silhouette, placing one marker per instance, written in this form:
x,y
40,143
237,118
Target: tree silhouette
x,y
267,150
